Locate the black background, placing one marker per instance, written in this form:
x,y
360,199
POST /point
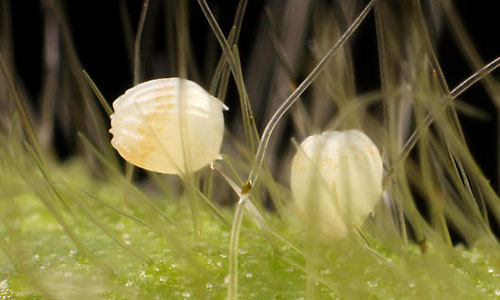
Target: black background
x,y
97,31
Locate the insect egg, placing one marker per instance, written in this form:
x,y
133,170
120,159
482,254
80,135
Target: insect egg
x,y
340,172
147,131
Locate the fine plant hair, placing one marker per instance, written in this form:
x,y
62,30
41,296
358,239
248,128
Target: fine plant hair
x,y
96,227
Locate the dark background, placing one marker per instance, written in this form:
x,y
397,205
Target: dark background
x,y
97,30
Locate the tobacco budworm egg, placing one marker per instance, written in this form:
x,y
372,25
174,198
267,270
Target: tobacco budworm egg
x,y
340,173
146,125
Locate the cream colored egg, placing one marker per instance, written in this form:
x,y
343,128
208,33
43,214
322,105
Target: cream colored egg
x,y
339,173
146,125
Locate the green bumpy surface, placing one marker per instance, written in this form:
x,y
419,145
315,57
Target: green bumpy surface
x,y
174,264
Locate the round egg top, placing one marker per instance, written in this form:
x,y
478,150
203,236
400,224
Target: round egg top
x,y
339,175
156,124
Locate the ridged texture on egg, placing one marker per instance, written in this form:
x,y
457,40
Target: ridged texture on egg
x,y
146,125
336,179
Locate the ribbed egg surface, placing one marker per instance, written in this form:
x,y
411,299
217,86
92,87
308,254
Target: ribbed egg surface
x,y
339,173
146,125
